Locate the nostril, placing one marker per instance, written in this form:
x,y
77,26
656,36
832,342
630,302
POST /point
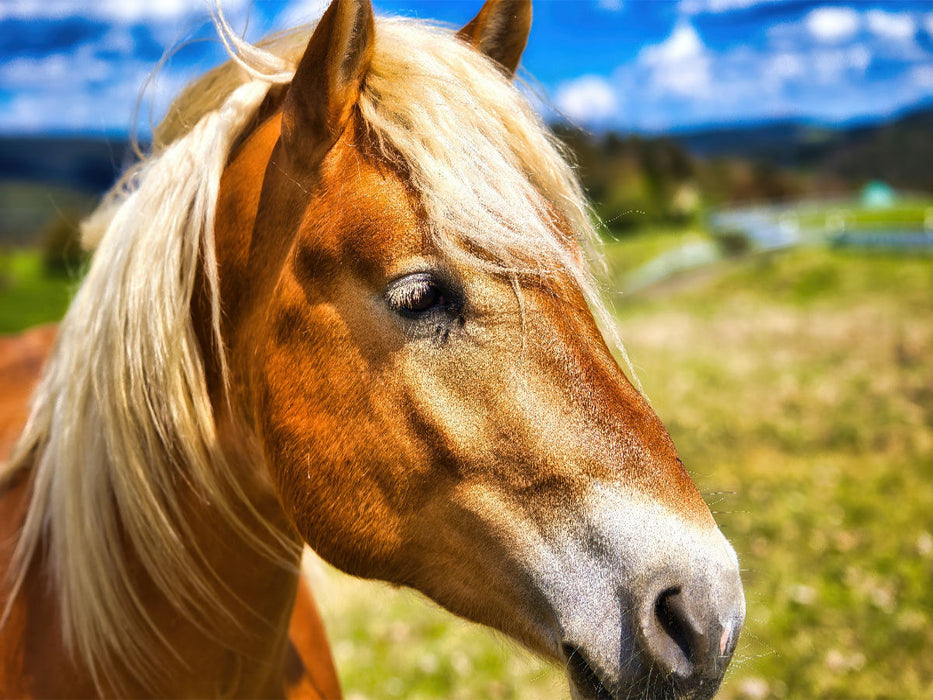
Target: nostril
x,y
673,638
669,613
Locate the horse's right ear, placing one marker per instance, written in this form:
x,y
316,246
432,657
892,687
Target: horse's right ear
x,y
500,31
328,81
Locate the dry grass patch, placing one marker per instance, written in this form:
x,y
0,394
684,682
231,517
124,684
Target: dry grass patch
x,y
800,393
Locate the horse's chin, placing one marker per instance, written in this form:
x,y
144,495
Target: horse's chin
x,y
656,689
586,682
639,678
589,683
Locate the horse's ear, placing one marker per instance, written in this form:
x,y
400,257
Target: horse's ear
x,y
327,82
500,31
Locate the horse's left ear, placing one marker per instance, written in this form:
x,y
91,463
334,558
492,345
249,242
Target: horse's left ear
x,y
500,31
328,81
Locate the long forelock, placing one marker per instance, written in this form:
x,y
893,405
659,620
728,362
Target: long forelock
x,y
123,402
490,178
496,186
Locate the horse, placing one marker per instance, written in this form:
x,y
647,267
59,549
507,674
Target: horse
x,y
346,302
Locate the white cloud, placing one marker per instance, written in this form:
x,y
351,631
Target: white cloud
x,y
683,80
830,65
683,44
679,65
895,35
786,66
86,89
46,71
832,25
131,11
300,12
119,39
922,77
123,11
897,26
588,99
107,104
695,7
74,105
821,65
610,5
928,23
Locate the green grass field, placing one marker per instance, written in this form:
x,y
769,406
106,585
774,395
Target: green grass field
x,y
799,390
801,386
28,296
905,213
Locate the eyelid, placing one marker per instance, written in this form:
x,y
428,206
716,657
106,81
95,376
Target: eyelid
x,y
400,294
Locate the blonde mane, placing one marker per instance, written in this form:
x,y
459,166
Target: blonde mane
x,y
122,412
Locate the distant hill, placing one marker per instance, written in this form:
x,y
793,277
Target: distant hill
x,y
781,142
638,179
81,163
50,182
898,151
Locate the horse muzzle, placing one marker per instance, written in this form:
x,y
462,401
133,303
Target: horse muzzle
x,y
648,605
681,649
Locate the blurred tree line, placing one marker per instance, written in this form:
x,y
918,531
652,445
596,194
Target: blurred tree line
x,y
636,181
62,253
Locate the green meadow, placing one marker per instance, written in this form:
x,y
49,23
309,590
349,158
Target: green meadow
x,y
29,294
799,389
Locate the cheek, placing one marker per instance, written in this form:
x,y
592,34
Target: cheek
x,y
334,439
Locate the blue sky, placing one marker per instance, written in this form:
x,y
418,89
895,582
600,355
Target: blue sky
x,y
649,65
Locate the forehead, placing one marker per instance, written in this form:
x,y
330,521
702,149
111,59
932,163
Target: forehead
x,y
364,216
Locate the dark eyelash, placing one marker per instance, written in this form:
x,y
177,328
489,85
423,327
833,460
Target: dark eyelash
x,y
416,295
409,295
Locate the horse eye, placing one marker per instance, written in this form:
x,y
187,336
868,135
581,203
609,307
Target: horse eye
x,y
416,295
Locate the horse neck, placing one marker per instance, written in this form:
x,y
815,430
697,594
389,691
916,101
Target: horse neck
x,y
242,655
260,592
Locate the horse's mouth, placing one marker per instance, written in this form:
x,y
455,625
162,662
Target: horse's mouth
x,y
587,682
584,678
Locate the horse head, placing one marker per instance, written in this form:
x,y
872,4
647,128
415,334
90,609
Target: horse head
x,y
411,338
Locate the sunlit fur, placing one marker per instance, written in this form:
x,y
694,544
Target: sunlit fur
x,y
122,411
